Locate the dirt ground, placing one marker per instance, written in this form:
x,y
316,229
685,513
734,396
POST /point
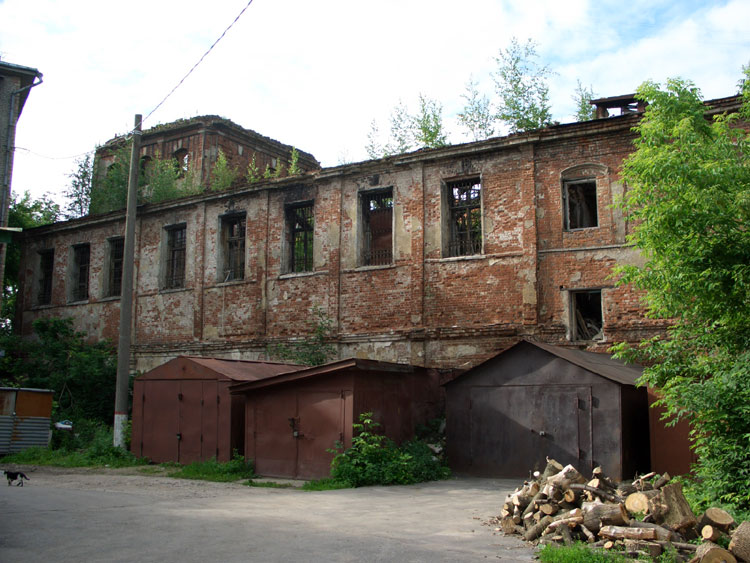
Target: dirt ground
x,y
73,515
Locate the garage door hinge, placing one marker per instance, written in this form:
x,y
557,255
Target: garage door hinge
x,y
218,399
179,396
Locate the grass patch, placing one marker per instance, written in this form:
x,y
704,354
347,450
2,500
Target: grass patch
x,y
325,485
270,485
577,553
91,448
212,470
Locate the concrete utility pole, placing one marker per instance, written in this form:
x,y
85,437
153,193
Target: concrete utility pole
x,y
126,296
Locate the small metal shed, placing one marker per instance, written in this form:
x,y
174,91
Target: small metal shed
x,y
183,411
292,420
24,418
504,416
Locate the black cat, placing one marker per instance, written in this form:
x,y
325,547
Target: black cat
x,y
13,475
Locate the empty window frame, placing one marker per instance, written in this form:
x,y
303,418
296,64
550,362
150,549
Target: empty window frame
x,y
182,157
377,227
233,228
300,228
80,272
175,257
579,204
114,270
46,269
586,315
464,199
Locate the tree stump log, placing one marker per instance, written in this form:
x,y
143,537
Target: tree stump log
x,y
678,515
596,515
622,532
740,544
640,503
717,518
711,553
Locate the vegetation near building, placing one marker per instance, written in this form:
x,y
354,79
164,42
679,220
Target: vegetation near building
x,y
689,199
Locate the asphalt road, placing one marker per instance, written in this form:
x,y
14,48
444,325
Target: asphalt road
x,y
61,517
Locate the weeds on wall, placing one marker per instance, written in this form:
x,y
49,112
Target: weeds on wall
x,y
315,349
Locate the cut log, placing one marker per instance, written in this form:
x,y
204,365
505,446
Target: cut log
x,y
640,503
680,546
662,534
711,553
622,532
570,522
596,515
624,489
712,533
602,494
717,518
551,468
572,496
508,526
740,544
590,537
536,530
678,515
550,508
662,480
567,537
652,549
564,478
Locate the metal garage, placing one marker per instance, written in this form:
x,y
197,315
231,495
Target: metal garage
x,y
292,420
24,418
183,412
535,400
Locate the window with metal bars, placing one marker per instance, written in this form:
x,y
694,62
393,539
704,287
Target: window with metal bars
x,y
233,247
175,257
464,198
46,269
300,229
579,204
80,272
377,227
116,252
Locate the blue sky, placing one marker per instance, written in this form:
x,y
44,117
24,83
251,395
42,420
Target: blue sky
x,y
315,74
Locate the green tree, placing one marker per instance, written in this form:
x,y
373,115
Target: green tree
x,y
477,116
109,192
402,131
582,97
26,214
252,174
223,174
427,124
82,375
79,191
689,202
521,85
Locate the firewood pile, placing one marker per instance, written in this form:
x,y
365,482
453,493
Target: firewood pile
x,y
645,516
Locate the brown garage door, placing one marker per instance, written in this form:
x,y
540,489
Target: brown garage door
x,y
513,428
294,432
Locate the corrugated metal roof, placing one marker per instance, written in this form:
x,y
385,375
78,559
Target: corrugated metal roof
x,y
330,368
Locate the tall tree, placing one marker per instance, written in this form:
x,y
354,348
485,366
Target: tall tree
x,y
521,85
477,116
689,202
582,97
79,191
402,131
26,214
427,124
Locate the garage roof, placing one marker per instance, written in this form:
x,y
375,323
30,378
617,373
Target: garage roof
x,y
193,367
330,368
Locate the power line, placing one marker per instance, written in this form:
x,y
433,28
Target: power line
x,y
199,61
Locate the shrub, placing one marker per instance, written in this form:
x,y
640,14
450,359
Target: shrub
x,y
374,459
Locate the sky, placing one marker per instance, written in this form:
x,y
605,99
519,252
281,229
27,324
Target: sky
x,y
316,74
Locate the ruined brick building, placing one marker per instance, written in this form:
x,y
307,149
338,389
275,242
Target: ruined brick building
x,y
437,257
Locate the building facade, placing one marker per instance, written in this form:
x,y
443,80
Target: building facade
x,y
437,258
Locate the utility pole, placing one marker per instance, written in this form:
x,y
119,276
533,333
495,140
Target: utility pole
x,y
126,296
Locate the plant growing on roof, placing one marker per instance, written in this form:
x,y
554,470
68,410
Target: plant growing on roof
x,y
253,174
223,174
294,168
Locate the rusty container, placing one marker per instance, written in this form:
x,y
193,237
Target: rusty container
x,y
24,418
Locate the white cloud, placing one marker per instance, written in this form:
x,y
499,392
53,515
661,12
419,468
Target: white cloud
x,y
315,74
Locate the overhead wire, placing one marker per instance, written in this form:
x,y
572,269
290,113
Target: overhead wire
x,y
172,91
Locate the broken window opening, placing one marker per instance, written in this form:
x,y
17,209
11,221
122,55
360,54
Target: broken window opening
x,y
465,217
46,268
116,253
300,226
81,262
587,321
377,228
182,157
176,245
580,210
233,240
